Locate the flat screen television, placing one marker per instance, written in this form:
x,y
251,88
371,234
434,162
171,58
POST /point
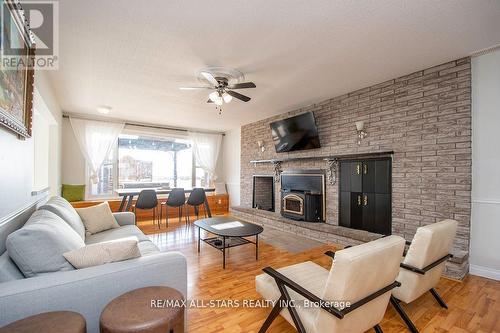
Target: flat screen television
x,y
295,133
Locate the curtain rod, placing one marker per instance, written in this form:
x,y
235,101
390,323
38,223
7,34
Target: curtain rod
x,y
141,125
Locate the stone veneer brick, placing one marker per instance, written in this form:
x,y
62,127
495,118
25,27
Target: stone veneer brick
x,y
424,117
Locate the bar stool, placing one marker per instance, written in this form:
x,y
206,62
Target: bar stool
x,y
176,198
148,200
196,198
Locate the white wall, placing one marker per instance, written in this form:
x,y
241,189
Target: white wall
x,y
231,147
41,142
17,158
485,221
46,146
73,163
48,100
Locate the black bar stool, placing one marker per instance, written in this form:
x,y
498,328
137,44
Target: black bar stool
x,y
176,198
196,198
148,200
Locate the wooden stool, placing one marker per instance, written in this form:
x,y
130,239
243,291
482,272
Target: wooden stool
x,y
48,322
144,310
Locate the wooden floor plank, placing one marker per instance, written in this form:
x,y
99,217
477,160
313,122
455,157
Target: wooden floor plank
x,y
474,304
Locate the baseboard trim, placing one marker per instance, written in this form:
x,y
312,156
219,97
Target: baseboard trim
x,y
486,272
486,201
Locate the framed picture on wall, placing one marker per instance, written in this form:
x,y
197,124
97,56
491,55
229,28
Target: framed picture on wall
x,y
16,70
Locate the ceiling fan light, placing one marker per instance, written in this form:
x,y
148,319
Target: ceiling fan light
x,y
227,98
218,101
214,96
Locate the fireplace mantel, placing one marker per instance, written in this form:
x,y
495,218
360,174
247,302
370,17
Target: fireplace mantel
x,y
326,158
331,160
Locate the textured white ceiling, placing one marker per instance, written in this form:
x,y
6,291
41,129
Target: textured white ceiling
x,y
133,55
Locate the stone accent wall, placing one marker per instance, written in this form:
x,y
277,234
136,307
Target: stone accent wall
x,y
424,117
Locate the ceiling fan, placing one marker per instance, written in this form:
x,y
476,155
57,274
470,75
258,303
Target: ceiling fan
x,y
223,91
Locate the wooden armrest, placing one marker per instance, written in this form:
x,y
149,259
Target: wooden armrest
x,y
427,268
371,297
330,254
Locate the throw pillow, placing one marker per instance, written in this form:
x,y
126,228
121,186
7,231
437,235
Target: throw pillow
x,y
103,253
97,218
73,192
39,245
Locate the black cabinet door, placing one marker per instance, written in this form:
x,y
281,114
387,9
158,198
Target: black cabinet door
x,y
356,176
382,218
383,176
365,195
345,176
368,202
369,176
345,209
356,210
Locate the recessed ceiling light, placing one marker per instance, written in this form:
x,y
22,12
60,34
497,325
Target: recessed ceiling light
x,y
103,109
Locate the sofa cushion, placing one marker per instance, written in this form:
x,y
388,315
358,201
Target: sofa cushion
x,y
8,270
147,247
97,218
62,208
38,247
113,234
104,253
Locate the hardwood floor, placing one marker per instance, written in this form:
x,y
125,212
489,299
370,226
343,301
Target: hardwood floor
x,y
474,304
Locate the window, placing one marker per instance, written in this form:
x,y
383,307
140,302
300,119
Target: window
x,y
141,161
105,185
202,178
154,162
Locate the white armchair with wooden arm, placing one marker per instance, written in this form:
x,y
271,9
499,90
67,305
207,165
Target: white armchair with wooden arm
x,y
351,297
423,264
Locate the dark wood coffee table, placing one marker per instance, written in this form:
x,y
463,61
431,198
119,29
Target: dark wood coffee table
x,y
231,237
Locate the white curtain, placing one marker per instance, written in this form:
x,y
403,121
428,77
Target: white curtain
x,y
96,139
206,151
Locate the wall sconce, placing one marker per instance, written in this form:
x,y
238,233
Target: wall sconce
x,y
360,125
262,148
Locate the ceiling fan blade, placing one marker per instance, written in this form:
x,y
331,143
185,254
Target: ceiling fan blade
x,y
209,101
210,78
194,88
238,95
243,85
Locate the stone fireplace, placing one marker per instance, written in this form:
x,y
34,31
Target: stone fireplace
x,y
424,118
302,195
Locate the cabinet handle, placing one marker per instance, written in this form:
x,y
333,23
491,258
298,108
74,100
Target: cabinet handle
x,y
365,200
365,169
358,168
359,200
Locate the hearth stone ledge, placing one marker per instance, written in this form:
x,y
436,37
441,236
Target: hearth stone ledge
x,y
456,267
322,232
